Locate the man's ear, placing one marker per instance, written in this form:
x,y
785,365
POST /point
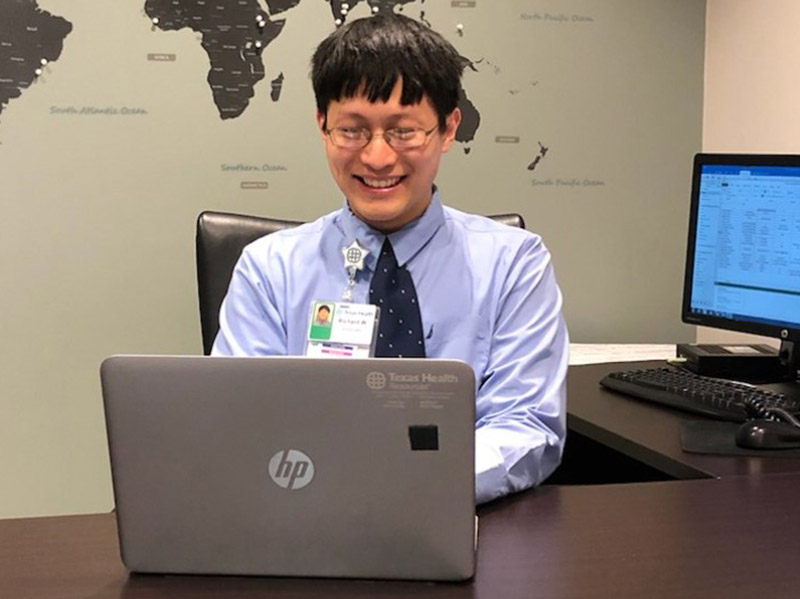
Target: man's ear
x,y
453,121
321,118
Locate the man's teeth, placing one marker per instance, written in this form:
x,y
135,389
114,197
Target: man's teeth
x,y
380,183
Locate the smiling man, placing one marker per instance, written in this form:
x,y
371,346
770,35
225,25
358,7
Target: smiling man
x,y
456,285
388,182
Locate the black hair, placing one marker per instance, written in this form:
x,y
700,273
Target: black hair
x,y
369,55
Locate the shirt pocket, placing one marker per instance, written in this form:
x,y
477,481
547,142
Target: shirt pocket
x,y
460,336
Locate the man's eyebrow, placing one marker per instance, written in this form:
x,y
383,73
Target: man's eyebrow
x,y
392,119
360,119
352,114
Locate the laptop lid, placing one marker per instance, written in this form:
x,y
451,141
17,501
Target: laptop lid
x,y
293,466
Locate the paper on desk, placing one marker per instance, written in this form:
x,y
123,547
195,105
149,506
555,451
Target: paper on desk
x,y
598,353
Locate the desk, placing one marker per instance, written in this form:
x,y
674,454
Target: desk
x,y
732,537
647,433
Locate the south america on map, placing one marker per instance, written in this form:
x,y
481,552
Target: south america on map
x,y
30,39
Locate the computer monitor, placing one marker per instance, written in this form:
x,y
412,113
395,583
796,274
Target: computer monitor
x,y
743,253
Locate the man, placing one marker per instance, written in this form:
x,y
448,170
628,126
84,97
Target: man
x,y
387,89
323,318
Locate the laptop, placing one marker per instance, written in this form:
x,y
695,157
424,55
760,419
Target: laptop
x,y
287,466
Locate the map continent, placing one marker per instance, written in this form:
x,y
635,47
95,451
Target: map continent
x,y
234,35
30,39
470,120
279,6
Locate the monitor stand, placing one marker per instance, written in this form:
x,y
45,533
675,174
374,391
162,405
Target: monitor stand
x,y
789,355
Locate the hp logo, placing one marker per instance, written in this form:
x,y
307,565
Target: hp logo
x,y
291,469
376,381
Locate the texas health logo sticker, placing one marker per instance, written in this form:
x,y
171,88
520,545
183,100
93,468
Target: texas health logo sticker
x,y
291,469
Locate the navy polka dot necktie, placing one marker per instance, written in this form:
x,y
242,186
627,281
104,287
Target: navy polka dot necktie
x,y
400,327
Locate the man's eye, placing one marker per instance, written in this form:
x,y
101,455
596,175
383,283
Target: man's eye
x,y
351,132
402,133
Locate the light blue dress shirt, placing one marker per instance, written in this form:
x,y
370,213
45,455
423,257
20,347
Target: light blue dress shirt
x,y
487,296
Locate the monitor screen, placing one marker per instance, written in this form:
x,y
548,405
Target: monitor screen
x,y
743,258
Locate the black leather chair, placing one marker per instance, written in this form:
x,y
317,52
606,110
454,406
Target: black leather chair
x,y
221,237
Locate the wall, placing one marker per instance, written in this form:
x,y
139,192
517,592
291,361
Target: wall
x,y
589,111
751,91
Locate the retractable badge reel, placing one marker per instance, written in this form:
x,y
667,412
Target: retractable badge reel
x,y
344,329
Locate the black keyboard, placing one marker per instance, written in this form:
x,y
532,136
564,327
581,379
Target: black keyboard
x,y
684,390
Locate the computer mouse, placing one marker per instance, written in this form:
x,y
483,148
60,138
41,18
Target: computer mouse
x,y
768,434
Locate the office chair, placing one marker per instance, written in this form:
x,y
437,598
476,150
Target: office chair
x,y
221,237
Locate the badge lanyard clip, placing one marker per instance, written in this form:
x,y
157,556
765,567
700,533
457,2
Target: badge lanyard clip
x,y
354,256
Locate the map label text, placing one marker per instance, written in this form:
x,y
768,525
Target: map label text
x,y
572,182
555,18
240,166
162,57
99,110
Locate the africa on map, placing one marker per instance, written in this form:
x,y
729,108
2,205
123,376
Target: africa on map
x,y
236,37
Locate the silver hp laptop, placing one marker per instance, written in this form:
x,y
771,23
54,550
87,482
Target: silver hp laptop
x,y
293,466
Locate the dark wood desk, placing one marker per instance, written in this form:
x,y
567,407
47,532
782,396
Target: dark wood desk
x,y
731,538
735,537
648,433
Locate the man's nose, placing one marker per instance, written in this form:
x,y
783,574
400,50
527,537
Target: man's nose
x,y
378,154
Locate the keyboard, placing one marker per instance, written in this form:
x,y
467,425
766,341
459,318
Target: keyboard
x,y
684,390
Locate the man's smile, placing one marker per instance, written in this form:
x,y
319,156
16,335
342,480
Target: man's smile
x,y
380,183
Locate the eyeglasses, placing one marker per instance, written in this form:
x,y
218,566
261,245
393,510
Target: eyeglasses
x,y
399,138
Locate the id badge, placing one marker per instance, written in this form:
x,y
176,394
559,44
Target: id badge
x,y
342,330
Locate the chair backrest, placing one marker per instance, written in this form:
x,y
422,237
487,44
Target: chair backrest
x,y
221,237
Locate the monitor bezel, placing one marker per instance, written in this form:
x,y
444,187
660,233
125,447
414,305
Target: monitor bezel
x,y
706,320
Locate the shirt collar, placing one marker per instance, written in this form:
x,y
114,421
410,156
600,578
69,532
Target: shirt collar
x,y
406,242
